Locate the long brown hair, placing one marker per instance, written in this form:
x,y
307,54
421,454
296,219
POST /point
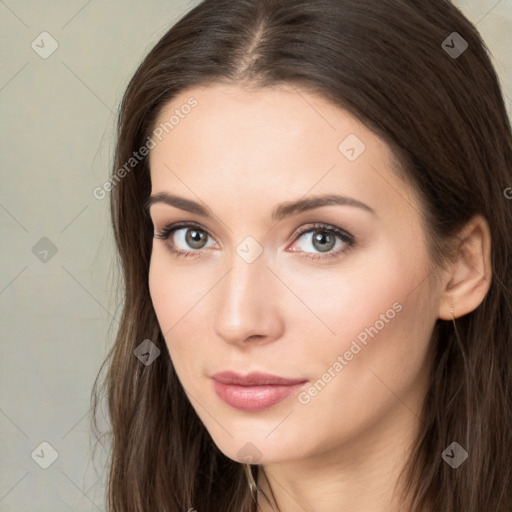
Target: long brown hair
x,y
388,63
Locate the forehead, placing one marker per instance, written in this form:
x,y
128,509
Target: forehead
x,y
279,116
249,141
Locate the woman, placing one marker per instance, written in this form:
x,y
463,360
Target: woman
x,y
309,202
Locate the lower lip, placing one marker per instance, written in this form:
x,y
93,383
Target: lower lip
x,y
253,398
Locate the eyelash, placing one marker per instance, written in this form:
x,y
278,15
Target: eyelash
x,y
345,237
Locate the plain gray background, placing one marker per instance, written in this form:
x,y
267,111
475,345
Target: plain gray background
x,y
57,303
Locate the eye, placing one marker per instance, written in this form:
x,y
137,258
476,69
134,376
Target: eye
x,y
189,239
185,236
324,239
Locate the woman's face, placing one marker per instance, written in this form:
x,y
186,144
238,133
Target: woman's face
x,y
335,295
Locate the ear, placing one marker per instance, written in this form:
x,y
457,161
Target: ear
x,y
469,275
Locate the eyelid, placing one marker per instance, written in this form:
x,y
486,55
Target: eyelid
x,y
174,226
322,226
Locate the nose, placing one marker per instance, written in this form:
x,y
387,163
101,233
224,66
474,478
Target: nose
x,y
247,308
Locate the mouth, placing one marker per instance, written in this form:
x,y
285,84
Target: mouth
x,y
255,391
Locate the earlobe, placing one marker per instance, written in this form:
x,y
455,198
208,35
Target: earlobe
x,y
469,278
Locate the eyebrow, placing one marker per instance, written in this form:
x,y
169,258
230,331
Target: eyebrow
x,y
279,212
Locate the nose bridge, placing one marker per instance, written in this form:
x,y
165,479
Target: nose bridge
x,y
244,302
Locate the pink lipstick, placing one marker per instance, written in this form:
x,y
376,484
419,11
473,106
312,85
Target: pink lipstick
x,y
254,391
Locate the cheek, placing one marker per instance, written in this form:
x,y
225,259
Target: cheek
x,y
373,370
349,299
158,290
179,296
167,298
379,322
174,288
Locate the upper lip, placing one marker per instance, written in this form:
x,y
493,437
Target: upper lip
x,y
254,379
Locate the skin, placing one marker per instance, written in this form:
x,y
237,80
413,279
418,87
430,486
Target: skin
x,y
240,152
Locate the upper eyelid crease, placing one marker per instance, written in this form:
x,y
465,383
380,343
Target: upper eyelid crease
x,y
280,212
176,226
